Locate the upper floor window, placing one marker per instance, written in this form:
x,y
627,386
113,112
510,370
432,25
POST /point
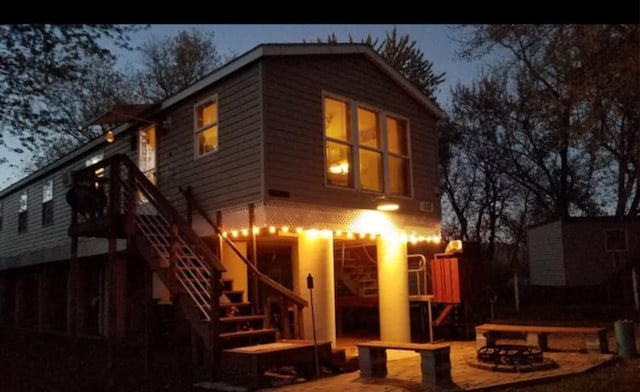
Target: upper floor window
x,y
375,157
206,127
95,159
47,203
22,212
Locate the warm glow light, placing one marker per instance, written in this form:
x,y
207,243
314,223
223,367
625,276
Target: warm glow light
x,y
245,232
339,168
234,233
298,230
350,235
387,206
285,229
224,234
109,137
256,230
272,229
338,233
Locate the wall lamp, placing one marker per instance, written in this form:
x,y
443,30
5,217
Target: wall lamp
x,y
384,203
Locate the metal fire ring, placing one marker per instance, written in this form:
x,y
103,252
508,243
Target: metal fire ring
x,y
510,354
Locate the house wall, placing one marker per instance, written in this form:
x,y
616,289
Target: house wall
x,y
293,107
49,243
230,176
546,260
586,259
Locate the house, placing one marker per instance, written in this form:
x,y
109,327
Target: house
x,y
265,176
585,252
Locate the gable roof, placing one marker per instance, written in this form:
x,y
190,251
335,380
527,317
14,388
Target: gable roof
x,y
304,49
258,52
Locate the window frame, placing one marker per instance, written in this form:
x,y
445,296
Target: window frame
x,y
23,213
198,130
47,203
354,144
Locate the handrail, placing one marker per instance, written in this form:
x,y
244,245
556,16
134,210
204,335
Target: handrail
x,y
297,299
152,193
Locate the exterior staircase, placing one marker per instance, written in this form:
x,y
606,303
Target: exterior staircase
x,y
188,267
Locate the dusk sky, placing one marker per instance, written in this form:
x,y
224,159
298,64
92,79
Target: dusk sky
x,y
436,42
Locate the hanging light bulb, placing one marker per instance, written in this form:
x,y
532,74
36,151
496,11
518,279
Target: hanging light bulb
x,y
109,137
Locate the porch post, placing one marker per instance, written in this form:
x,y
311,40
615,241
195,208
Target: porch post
x,y
315,257
393,289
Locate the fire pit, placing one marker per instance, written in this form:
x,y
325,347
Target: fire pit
x,y
511,358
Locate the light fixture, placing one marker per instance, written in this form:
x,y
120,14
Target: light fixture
x,y
384,203
109,137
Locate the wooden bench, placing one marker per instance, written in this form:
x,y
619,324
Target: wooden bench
x,y
247,365
595,338
435,360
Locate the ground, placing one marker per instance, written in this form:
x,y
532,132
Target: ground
x,y
32,362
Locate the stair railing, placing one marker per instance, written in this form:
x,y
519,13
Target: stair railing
x,y
266,283
136,202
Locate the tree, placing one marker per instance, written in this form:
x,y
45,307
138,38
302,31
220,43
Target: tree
x,y
79,104
168,66
403,55
173,63
36,57
551,79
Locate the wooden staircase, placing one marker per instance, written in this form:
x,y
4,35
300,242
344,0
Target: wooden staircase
x,y
187,266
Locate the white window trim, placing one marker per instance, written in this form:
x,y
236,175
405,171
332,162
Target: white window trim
x,y
26,204
47,184
354,143
196,130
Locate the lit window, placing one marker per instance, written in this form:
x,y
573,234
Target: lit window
x,y
379,150
338,147
47,203
95,159
206,127
22,213
398,150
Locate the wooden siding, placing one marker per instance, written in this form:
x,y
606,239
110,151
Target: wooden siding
x,y
293,91
586,259
546,255
49,243
230,176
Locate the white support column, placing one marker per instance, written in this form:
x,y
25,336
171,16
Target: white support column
x,y
315,257
236,268
393,289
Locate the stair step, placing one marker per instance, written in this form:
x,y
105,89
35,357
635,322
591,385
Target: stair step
x,y
241,318
252,332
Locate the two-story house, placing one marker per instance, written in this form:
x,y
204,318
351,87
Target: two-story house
x,y
263,175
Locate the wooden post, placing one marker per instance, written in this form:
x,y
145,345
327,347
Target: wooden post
x,y
120,293
72,299
215,351
189,205
111,305
255,295
148,316
43,302
634,282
